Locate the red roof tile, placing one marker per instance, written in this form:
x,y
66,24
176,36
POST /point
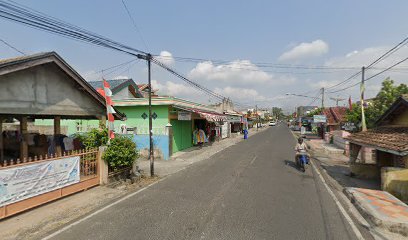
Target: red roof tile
x,y
391,138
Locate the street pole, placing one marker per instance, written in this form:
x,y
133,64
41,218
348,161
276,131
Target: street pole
x,y
322,98
148,58
363,121
256,112
151,152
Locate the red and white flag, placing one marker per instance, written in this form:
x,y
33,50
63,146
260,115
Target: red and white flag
x,y
350,104
107,93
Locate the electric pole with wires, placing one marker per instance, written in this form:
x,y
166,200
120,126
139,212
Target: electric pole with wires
x,y
363,121
148,58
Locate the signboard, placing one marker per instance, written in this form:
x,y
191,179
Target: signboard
x,y
319,118
184,116
19,183
349,126
233,119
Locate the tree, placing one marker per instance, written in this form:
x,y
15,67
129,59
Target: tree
x,y
384,99
317,111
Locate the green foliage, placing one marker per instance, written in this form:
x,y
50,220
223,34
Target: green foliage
x,y
384,99
120,153
96,138
317,111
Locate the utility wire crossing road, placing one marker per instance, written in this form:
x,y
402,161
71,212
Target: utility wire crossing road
x,y
248,191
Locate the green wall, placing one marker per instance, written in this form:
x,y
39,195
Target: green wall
x,y
134,118
71,124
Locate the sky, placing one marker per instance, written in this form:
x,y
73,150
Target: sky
x,y
232,39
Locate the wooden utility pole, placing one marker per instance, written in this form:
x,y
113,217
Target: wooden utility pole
x,y
362,87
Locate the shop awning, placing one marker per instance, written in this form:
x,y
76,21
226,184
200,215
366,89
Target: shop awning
x,y
208,115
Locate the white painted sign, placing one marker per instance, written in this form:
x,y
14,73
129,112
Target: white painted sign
x,y
184,116
319,118
19,183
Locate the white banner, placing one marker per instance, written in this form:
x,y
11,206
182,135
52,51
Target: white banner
x,y
184,116
224,130
19,183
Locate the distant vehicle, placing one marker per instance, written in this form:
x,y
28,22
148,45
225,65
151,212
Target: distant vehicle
x,y
272,123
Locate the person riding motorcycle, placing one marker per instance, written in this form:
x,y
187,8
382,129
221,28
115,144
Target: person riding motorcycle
x,y
301,148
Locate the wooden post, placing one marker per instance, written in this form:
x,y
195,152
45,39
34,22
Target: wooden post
x,y
24,143
102,121
1,141
57,131
354,149
103,169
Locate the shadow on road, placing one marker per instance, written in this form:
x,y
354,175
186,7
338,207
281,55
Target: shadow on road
x,y
291,164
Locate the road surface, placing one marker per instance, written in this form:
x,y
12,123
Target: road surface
x,y
248,191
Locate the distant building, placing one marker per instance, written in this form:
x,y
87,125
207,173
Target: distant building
x,y
304,110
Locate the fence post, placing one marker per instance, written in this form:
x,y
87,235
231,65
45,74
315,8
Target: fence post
x,y
103,167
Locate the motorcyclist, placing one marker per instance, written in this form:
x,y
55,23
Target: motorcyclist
x,y
301,148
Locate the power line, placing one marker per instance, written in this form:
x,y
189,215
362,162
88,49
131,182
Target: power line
x,y
389,52
11,46
375,75
135,25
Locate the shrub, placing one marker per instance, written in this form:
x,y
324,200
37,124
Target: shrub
x,y
120,153
96,138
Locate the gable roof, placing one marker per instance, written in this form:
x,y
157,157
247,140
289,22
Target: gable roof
x,y
401,104
118,84
389,139
335,115
25,62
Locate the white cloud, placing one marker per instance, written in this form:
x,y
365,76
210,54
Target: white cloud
x,y
120,77
166,58
173,89
238,72
306,50
241,93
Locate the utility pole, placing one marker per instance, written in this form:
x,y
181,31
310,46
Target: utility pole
x,y
362,87
148,58
323,98
256,112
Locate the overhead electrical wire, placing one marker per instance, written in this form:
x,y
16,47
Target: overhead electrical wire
x,y
135,25
21,14
12,47
373,76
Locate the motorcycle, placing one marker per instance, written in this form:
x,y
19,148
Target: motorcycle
x,y
302,160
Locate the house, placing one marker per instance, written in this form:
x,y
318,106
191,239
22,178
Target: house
x,y
121,88
39,165
174,122
42,86
389,138
335,117
144,89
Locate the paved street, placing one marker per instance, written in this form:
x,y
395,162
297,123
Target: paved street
x,y
248,191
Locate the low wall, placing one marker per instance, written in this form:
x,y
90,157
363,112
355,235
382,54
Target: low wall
x,y
367,171
395,181
160,143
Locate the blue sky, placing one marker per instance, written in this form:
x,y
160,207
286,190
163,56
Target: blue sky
x,y
331,33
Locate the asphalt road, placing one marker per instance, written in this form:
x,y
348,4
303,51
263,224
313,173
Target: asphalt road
x,y
248,191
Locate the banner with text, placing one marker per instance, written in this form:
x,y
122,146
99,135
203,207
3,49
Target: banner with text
x,y
19,183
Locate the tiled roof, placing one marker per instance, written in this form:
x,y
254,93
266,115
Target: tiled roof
x,y
391,138
335,115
